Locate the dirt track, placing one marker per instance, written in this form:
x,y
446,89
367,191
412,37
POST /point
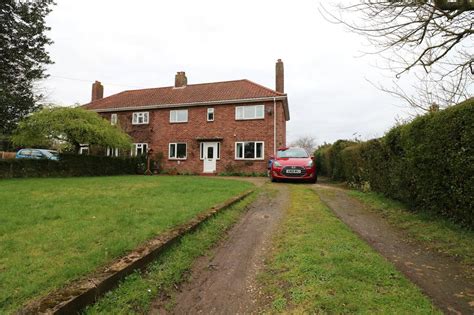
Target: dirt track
x,y
224,282
447,282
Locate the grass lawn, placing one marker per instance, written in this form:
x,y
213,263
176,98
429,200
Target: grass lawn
x,y
434,232
136,292
55,230
318,265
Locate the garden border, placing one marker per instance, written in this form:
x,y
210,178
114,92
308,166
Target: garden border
x,y
80,293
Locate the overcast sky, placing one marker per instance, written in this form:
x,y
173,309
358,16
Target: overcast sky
x,y
142,44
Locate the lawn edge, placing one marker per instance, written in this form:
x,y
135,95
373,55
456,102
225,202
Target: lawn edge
x,y
85,291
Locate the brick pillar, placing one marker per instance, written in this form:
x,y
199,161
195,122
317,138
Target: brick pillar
x,y
97,91
279,77
180,79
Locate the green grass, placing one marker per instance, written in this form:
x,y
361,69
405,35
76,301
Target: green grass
x,y
434,232
136,292
318,265
55,230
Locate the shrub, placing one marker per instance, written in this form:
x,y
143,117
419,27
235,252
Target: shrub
x,y
428,163
70,165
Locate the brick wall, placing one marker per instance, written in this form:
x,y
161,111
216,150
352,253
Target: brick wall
x,y
160,132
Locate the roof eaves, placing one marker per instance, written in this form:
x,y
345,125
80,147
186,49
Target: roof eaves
x,y
219,102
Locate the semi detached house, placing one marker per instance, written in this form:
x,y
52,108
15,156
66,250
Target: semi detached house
x,y
232,126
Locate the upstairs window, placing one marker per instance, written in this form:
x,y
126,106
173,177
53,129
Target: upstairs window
x,y
179,116
140,118
113,119
177,151
249,150
210,114
250,112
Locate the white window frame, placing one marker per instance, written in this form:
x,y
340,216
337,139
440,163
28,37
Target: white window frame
x,y
134,150
210,110
174,116
176,151
113,119
112,152
201,151
255,158
240,112
84,149
145,118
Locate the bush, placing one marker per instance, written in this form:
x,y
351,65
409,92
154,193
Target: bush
x,y
71,165
328,159
428,163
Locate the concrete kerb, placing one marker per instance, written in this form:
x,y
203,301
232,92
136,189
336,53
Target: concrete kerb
x,y
75,296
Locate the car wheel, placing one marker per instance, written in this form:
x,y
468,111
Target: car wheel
x,y
315,179
273,179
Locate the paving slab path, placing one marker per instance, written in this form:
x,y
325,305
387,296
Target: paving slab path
x,y
224,282
447,282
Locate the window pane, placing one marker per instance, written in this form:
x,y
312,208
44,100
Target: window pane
x,y
260,109
249,112
239,112
201,150
210,152
172,150
182,115
239,150
210,114
218,150
181,151
249,150
259,153
145,119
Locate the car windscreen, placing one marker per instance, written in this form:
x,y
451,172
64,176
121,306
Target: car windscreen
x,y
292,153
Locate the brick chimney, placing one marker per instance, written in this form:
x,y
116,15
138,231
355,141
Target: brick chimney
x,y
97,91
279,77
180,80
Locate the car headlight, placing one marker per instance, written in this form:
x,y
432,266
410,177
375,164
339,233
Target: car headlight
x,y
276,164
310,164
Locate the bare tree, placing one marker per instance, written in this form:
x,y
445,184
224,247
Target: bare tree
x,y
306,142
432,39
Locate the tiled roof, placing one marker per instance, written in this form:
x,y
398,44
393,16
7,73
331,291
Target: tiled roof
x,y
190,94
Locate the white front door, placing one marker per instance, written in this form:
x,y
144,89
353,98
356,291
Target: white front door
x,y
210,156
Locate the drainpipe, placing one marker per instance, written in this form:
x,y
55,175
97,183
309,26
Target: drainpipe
x,y
274,127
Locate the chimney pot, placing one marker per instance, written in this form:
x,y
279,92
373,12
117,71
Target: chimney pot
x,y
180,79
279,77
97,91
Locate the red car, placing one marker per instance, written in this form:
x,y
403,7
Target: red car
x,y
293,163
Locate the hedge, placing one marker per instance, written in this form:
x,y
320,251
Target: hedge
x,y
428,163
71,165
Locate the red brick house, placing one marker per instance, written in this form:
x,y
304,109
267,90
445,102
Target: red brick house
x,y
201,128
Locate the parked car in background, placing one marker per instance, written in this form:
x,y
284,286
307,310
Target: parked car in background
x,y
37,154
294,164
